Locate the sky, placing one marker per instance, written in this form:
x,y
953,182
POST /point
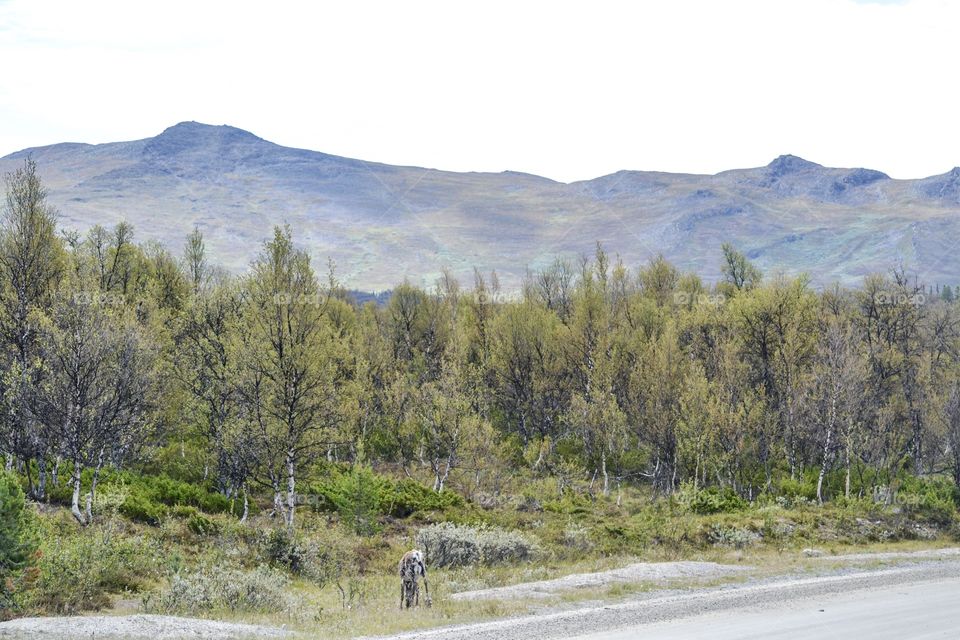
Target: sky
x,y
561,89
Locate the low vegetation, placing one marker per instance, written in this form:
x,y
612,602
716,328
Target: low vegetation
x,y
213,589
450,545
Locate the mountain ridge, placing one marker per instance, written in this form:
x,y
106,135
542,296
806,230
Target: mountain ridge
x,y
192,127
383,223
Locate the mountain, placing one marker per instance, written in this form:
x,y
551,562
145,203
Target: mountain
x,y
382,223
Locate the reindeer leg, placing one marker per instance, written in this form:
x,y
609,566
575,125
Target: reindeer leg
x,y
403,592
426,588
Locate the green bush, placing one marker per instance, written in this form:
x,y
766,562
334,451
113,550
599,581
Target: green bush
x,y
170,492
18,543
450,545
931,499
153,497
180,460
320,562
360,496
569,504
183,512
577,537
59,494
202,525
148,497
792,488
408,497
709,500
620,537
731,536
139,508
77,571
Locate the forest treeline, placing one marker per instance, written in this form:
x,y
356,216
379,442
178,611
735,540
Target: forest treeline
x,y
119,354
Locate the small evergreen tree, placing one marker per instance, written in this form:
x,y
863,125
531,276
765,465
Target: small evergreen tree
x,y
17,544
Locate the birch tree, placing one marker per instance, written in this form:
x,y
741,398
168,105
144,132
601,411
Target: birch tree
x,y
835,394
292,367
31,264
96,390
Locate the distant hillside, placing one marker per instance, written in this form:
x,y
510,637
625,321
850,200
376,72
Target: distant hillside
x,y
382,223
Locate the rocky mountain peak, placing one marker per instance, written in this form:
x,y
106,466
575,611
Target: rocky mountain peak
x,y
788,164
186,136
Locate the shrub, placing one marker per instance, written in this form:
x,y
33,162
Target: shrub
x,y
280,547
202,525
929,499
450,545
180,460
145,498
576,536
153,497
804,489
408,497
159,489
78,571
730,536
59,494
569,504
18,543
183,512
262,590
320,563
709,500
793,502
616,537
140,508
110,500
933,510
176,493
360,496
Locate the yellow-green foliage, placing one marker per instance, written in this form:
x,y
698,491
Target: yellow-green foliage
x,y
360,496
80,567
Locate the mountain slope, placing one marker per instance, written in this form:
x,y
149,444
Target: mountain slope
x,y
382,223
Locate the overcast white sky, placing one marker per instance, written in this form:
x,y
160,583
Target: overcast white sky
x,y
562,89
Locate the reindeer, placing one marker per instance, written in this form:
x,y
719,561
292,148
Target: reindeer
x,y
412,568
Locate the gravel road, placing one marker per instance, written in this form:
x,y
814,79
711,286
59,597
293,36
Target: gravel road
x,y
862,595
918,611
